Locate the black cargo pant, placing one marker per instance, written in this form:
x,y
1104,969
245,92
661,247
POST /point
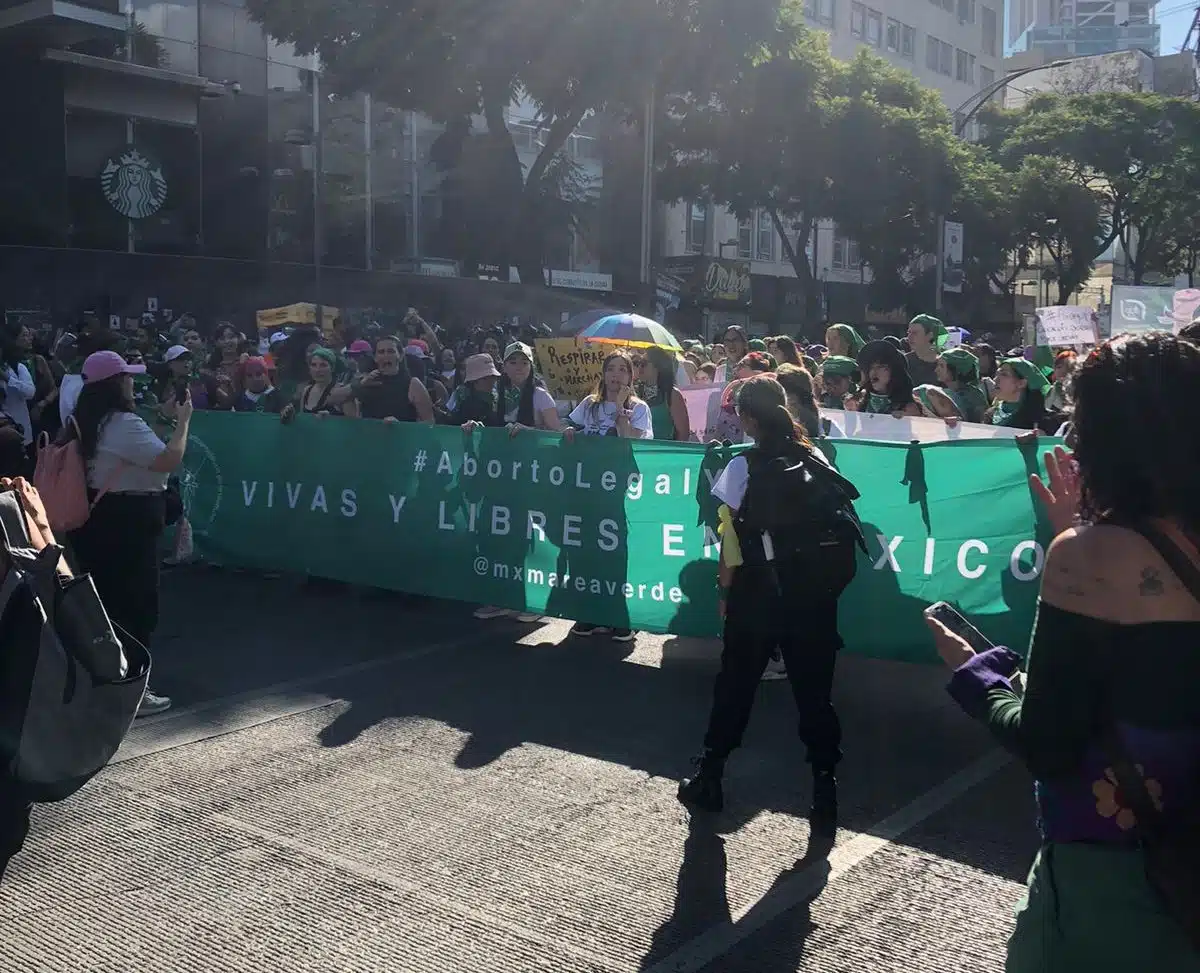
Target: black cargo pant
x,y
791,606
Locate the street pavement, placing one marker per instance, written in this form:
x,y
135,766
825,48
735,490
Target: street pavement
x,y
356,781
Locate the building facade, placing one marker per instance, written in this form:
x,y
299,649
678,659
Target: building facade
x,y
173,149
1074,28
952,46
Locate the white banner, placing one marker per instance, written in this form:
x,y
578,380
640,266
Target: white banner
x,y
952,262
1152,308
1067,326
704,411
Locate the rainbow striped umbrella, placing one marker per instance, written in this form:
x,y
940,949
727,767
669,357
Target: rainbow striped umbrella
x,y
630,329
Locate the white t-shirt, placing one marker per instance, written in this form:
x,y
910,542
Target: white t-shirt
x,y
542,400
128,444
596,419
68,395
18,390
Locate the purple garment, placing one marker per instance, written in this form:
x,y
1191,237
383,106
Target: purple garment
x,y
1088,805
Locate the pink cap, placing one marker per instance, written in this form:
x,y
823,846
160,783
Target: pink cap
x,y
359,347
105,364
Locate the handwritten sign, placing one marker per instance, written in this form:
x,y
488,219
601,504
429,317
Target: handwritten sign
x,y
570,367
1066,326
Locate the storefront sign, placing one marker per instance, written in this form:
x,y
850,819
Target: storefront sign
x,y
713,281
952,247
727,281
579,280
430,267
133,183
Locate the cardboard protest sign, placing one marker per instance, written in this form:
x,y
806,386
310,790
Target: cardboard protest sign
x,y
1059,327
570,367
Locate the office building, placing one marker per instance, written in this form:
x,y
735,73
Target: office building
x,y
952,46
1071,28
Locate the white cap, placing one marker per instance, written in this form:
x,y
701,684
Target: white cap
x,y
278,336
174,352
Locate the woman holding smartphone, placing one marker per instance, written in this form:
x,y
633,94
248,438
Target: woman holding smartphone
x,y
127,471
1109,725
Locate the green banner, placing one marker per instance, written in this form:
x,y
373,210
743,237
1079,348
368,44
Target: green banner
x,y
604,530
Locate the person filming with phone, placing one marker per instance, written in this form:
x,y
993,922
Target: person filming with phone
x,y
1109,724
127,470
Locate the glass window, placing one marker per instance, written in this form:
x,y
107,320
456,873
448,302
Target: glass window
x,y
931,53
990,30
893,35
765,243
344,186
845,253
822,11
92,139
173,19
697,226
175,228
964,67
987,78
874,28
745,239
908,41
966,11
289,119
946,59
858,19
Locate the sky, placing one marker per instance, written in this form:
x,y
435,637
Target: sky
x,y
1176,18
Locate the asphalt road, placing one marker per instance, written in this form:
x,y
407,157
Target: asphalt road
x,y
353,782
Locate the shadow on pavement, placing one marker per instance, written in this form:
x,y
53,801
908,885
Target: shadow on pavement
x,y
903,735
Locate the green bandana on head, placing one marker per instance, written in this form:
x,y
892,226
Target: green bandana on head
x,y
757,344
933,327
839,365
962,363
854,341
1028,371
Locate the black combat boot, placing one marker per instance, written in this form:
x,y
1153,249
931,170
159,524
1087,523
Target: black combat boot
x,y
823,816
703,791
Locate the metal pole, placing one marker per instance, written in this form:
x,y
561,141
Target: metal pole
x,y
941,261
318,220
647,185
414,243
368,191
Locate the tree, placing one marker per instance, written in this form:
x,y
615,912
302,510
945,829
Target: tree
x,y
1133,151
459,61
808,138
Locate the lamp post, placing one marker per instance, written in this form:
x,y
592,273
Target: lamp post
x,y
297,137
962,117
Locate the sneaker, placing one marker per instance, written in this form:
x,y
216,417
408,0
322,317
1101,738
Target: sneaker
x,y
622,635
152,703
528,617
775,670
490,611
585,629
702,791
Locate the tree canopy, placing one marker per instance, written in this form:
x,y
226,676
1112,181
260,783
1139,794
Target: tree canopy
x,y
465,60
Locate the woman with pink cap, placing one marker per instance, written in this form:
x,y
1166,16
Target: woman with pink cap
x,y
127,470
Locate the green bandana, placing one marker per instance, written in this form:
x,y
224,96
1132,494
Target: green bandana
x,y
854,341
1004,413
512,399
938,335
840,365
963,364
1028,371
879,404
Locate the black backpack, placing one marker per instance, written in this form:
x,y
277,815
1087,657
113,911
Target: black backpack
x,y
800,500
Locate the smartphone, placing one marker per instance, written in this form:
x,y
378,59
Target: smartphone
x,y
954,620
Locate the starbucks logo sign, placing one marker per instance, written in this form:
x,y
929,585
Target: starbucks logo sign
x,y
133,183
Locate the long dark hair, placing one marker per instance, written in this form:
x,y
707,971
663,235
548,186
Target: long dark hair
x,y
1031,411
664,365
216,359
764,400
1139,389
988,369
801,399
900,386
525,415
98,401
787,350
